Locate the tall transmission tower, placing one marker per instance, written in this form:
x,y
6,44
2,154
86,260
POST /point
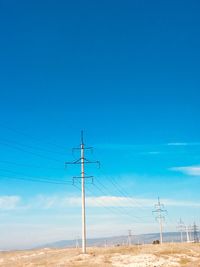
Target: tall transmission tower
x,y
190,229
181,228
160,212
195,233
82,161
105,243
129,240
187,234
77,242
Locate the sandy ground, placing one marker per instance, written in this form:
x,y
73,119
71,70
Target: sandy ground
x,y
165,255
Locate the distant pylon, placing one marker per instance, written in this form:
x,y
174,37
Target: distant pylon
x,y
187,234
190,229
195,233
77,242
160,217
105,243
129,241
181,227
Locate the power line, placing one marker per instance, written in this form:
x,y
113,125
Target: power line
x,y
123,192
30,152
101,203
32,147
31,137
28,165
32,178
27,179
120,208
111,209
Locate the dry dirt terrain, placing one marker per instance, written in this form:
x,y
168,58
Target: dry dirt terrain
x,y
165,255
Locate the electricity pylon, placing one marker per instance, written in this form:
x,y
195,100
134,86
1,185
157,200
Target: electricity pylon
x,y
195,233
187,234
82,161
105,243
190,229
181,228
160,217
129,241
77,242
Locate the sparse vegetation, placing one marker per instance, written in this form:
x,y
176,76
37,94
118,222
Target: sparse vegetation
x,y
156,242
184,261
166,255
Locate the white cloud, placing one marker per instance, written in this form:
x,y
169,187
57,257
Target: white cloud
x,y
59,202
113,201
107,201
178,144
183,144
48,202
189,170
180,203
30,233
153,152
9,202
116,146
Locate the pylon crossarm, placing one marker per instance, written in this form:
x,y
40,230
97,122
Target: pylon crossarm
x,y
73,162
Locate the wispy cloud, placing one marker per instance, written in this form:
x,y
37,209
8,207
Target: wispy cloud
x,y
118,146
178,144
9,202
188,170
180,203
113,146
184,144
151,153
139,149
50,202
59,202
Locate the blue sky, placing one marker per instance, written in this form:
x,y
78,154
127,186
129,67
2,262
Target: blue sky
x,y
127,73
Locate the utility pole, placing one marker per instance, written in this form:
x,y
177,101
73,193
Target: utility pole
x,y
181,227
129,238
160,217
82,161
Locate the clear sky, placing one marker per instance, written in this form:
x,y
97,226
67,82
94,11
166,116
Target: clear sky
x,y
127,73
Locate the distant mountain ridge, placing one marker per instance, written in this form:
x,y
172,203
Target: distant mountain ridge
x,y
117,240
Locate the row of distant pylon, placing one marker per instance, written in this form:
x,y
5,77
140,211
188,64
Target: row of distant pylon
x,y
191,232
